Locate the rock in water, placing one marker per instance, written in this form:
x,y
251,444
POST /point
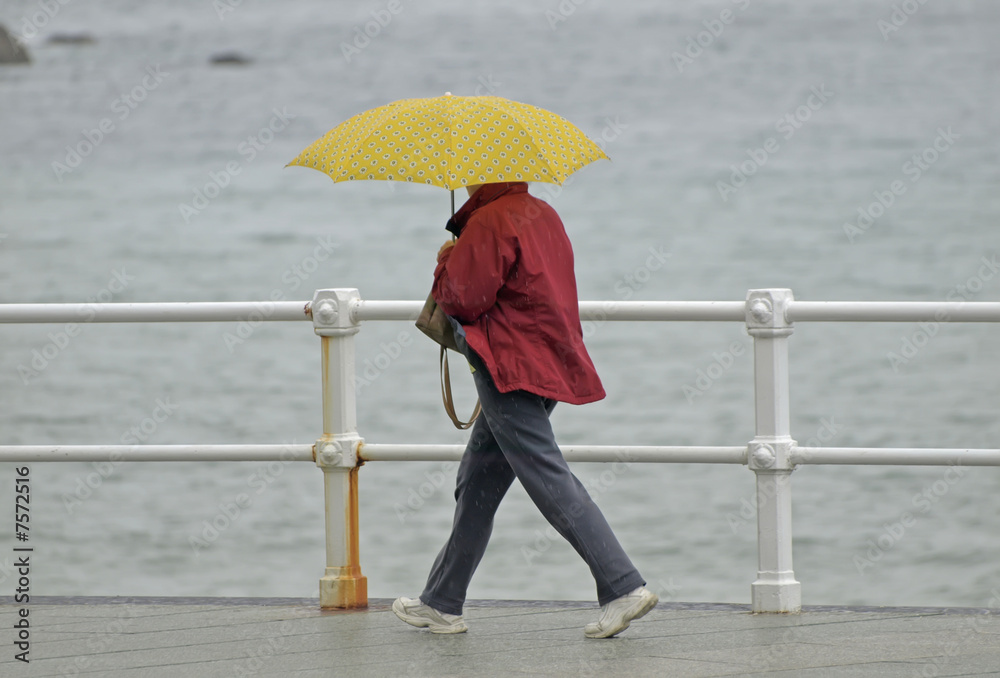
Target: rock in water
x,y
71,39
11,49
230,58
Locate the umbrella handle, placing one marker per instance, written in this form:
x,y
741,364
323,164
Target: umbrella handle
x,y
453,209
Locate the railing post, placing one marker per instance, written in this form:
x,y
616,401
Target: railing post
x,y
342,584
769,453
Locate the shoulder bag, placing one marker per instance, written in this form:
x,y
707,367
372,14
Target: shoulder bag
x,y
435,324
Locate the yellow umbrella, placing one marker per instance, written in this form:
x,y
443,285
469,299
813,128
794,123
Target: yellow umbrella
x,y
452,141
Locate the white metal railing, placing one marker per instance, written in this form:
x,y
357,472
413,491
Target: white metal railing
x,y
336,316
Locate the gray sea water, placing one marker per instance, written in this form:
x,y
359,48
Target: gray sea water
x,y
809,111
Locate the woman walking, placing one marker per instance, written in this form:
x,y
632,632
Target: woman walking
x,y
509,287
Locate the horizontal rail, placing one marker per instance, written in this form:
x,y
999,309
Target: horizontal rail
x,y
20,453
371,452
582,453
386,310
677,311
888,456
664,310
893,311
589,310
155,312
234,311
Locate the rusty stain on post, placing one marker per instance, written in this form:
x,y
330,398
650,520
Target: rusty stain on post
x,y
353,549
349,588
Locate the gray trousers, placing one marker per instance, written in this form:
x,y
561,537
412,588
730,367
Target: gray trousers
x,y
513,438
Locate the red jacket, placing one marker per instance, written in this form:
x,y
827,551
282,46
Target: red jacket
x,y
509,280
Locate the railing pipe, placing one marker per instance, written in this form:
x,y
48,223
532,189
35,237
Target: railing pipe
x,y
275,311
576,453
29,453
918,456
374,452
662,310
155,312
893,311
365,309
589,310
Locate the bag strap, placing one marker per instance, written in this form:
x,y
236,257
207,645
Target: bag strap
x,y
449,403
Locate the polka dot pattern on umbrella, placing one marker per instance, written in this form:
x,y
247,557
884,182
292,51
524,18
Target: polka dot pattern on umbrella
x,y
451,141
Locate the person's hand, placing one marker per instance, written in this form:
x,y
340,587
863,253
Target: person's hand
x,y
447,245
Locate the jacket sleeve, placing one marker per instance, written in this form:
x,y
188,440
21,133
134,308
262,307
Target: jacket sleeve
x,y
470,274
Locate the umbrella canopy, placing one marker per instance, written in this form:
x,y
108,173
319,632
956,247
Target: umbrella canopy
x,y
451,141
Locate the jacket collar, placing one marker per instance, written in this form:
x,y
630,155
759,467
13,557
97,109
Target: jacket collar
x,y
485,195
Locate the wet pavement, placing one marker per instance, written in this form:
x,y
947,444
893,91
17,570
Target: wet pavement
x,y
154,637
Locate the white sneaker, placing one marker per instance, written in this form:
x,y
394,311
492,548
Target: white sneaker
x,y
415,613
619,613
